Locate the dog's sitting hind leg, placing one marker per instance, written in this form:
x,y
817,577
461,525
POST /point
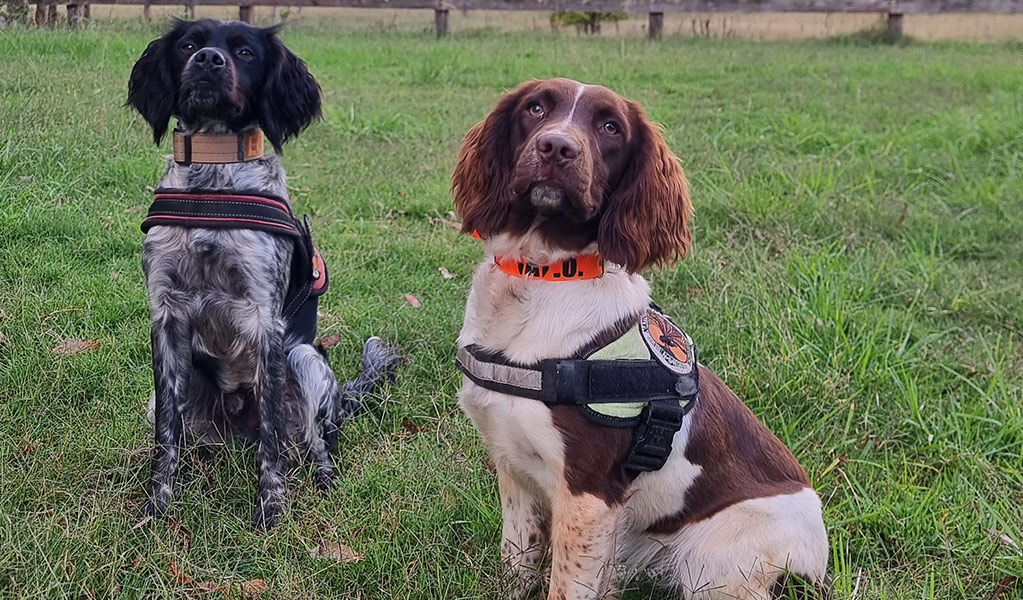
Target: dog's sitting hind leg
x,y
332,405
379,362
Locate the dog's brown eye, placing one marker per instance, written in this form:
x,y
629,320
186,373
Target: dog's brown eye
x,y
536,110
610,128
188,47
245,53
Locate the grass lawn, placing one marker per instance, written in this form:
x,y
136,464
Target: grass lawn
x,y
857,278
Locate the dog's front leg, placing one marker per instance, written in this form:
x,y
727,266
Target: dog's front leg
x,y
525,535
583,541
273,433
171,367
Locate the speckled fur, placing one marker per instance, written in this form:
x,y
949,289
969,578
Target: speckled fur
x,y
224,365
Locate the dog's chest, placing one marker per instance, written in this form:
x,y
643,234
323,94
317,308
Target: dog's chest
x,y
528,321
225,286
519,434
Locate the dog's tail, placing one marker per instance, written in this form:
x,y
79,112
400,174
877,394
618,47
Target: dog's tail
x,y
379,363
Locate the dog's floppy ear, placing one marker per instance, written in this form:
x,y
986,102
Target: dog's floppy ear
x,y
151,88
291,96
481,182
646,220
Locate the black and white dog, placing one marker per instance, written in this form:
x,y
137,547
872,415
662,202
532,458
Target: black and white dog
x,y
232,276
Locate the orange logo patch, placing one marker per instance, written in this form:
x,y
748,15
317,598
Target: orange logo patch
x,y
669,345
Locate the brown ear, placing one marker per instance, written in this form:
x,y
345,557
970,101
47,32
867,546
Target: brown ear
x,y
646,221
481,182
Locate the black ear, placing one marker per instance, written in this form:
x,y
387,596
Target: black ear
x,y
291,96
151,88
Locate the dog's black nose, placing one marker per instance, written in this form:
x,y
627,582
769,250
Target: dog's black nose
x,y
557,148
210,59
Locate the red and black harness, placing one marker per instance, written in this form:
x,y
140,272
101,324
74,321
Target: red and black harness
x,y
262,212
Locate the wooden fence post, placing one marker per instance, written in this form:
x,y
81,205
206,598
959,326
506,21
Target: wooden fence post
x,y
895,24
656,27
147,12
440,21
74,15
275,14
245,13
41,12
190,10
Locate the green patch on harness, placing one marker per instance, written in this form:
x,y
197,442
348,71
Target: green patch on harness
x,y
654,337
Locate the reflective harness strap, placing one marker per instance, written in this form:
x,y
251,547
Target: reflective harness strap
x,y
668,395
247,210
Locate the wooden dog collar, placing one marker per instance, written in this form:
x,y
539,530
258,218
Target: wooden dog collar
x,y
217,148
574,268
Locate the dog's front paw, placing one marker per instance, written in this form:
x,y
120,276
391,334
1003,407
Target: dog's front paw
x,y
324,478
158,498
269,510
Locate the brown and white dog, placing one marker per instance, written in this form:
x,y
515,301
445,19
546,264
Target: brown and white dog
x,y
559,170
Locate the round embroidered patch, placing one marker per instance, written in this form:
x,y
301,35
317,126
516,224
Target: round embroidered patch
x,y
668,344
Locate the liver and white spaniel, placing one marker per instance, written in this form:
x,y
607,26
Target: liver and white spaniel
x,y
563,178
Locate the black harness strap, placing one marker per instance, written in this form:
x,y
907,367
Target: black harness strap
x,y
669,396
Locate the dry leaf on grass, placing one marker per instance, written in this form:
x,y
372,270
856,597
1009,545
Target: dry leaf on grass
x,y
411,426
254,587
447,274
76,346
330,340
177,575
451,221
180,532
335,551
1001,538
248,589
412,300
1005,584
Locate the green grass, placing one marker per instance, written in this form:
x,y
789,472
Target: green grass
x,y
857,277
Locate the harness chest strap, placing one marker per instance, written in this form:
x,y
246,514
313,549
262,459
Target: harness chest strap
x,y
635,381
247,210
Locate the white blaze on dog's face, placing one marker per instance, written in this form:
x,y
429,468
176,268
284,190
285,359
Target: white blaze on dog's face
x,y
574,164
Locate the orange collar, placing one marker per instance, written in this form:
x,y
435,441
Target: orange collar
x,y
574,268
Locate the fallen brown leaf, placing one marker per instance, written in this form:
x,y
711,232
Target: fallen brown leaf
x,y
210,587
411,426
330,340
76,346
335,551
177,575
446,223
1001,539
412,300
180,532
447,274
253,587
1004,585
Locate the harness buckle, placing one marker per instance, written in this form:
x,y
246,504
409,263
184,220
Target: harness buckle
x,y
660,420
